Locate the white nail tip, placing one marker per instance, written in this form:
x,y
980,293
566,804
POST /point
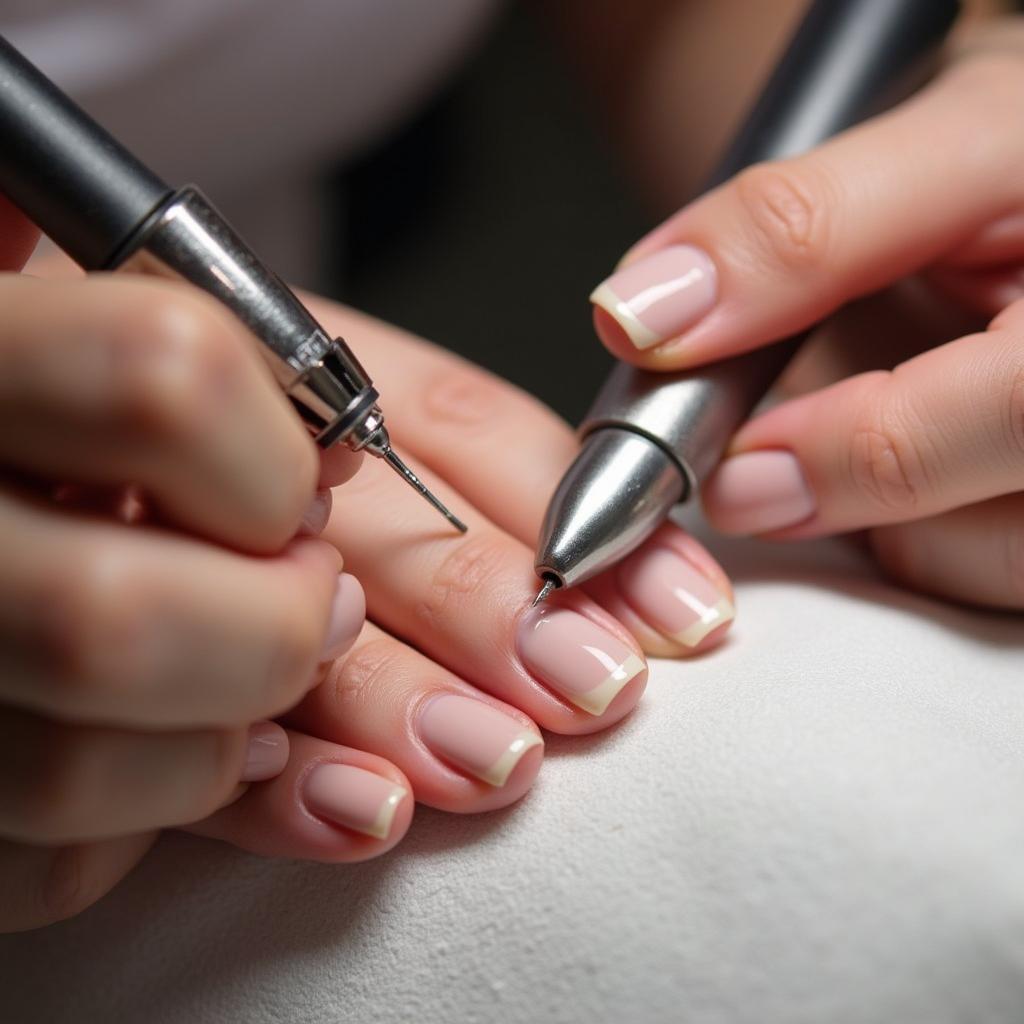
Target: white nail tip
x,y
713,617
497,774
596,701
641,336
386,815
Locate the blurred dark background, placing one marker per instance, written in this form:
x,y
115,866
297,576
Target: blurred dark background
x,y
485,223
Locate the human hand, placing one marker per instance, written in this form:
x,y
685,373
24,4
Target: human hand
x,y
922,209
136,657
444,693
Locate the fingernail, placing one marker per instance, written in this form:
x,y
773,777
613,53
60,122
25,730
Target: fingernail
x,y
348,613
669,593
267,754
757,492
575,657
475,737
319,511
353,797
659,296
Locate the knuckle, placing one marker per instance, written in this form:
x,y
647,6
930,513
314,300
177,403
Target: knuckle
x,y
365,673
172,370
885,468
788,207
463,396
475,567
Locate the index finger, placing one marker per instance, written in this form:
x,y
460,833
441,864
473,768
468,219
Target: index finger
x,y
784,244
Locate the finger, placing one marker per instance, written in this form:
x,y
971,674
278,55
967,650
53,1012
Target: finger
x,y
119,379
137,626
461,749
464,600
18,236
331,803
40,885
943,430
62,783
670,594
782,245
973,554
455,417
877,333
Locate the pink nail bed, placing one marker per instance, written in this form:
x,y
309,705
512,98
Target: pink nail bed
x,y
475,736
354,798
672,596
757,492
348,613
267,754
575,657
661,295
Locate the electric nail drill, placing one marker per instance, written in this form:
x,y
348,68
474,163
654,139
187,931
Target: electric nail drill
x,y
650,439
108,211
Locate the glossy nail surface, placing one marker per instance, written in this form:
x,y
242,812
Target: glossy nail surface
x,y
672,596
267,753
348,613
575,657
475,736
659,296
757,492
354,798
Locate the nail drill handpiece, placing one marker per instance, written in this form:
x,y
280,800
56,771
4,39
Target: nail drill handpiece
x,y
650,439
109,211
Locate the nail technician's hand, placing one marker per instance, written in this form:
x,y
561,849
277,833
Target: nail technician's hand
x,y
135,655
927,203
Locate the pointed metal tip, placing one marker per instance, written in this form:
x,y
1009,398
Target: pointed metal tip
x,y
549,584
417,484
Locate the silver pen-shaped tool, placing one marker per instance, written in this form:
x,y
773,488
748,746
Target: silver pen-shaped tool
x,y
109,211
650,439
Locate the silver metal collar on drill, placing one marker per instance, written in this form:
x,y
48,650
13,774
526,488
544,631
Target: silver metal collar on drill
x,y
186,238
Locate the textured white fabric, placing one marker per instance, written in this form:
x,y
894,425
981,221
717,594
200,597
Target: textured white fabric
x,y
821,822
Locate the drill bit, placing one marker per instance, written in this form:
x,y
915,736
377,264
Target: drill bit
x,y
550,583
414,481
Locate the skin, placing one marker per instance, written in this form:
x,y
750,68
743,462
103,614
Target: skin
x,y
73,703
923,449
137,651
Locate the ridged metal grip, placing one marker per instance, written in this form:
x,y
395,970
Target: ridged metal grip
x,y
186,238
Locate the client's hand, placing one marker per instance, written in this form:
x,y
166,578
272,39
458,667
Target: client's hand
x,y
923,210
135,655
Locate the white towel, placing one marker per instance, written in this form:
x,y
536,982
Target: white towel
x,y
822,822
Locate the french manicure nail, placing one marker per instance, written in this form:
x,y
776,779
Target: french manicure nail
x,y
267,753
576,657
661,295
348,613
475,736
672,596
353,797
757,492
316,515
